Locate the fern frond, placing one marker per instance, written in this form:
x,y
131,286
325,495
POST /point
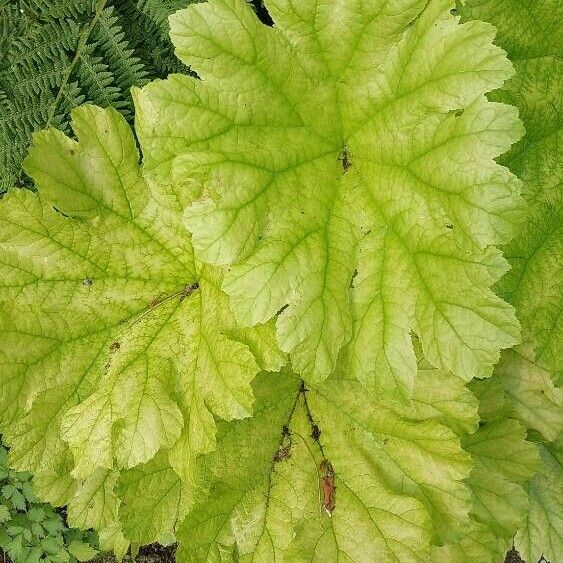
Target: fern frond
x,y
159,10
146,26
108,37
58,54
48,9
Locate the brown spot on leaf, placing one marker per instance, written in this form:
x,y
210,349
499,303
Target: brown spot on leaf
x,y
345,159
353,278
283,453
315,432
284,450
328,486
278,313
188,290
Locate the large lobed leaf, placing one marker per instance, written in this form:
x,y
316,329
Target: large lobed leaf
x,y
346,159
114,338
379,261
395,477
399,474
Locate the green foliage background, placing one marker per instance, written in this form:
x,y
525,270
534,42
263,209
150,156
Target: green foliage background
x,y
58,54
32,531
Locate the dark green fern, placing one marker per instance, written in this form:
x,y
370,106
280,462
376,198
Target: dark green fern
x,y
57,54
146,25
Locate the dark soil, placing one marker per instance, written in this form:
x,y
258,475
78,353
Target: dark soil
x,y
156,553
513,557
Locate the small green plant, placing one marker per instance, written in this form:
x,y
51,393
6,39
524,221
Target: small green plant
x,y
31,531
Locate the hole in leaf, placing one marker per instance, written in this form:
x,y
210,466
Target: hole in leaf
x,y
262,12
282,309
353,278
315,432
57,210
188,290
345,159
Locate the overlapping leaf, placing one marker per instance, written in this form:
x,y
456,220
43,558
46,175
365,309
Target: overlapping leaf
x,y
509,500
399,478
534,40
403,487
532,36
541,534
519,501
346,159
114,338
502,463
531,395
